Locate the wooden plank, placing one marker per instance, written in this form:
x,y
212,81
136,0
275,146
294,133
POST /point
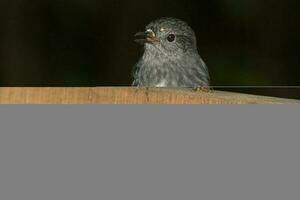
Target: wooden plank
x,y
129,95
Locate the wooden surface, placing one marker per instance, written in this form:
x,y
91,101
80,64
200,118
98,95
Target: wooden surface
x,y
129,95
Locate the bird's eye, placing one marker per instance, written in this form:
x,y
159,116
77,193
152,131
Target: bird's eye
x,y
171,38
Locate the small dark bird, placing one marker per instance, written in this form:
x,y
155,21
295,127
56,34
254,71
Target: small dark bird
x,y
170,57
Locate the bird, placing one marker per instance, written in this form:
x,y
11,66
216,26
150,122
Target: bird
x,y
170,57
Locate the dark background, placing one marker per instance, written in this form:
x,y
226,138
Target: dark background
x,y
90,42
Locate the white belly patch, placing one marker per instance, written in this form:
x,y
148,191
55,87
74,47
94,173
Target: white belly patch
x,y
163,83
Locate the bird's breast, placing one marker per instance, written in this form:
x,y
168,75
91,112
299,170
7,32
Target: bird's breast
x,y
161,83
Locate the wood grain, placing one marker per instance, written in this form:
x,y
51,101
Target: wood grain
x,y
128,95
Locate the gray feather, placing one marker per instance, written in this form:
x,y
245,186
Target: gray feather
x,y
171,64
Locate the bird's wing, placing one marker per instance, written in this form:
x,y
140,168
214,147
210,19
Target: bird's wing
x,y
205,71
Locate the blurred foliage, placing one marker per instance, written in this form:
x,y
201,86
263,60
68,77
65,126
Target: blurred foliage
x,y
89,43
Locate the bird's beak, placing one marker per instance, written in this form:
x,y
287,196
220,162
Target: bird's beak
x,y
146,37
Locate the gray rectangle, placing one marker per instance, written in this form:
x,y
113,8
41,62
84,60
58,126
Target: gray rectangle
x,y
149,152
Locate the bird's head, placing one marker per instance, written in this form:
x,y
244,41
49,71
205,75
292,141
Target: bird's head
x,y
168,36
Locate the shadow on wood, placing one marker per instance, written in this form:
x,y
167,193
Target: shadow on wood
x,y
129,95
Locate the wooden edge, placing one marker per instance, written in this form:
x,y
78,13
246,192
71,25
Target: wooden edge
x,y
129,95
